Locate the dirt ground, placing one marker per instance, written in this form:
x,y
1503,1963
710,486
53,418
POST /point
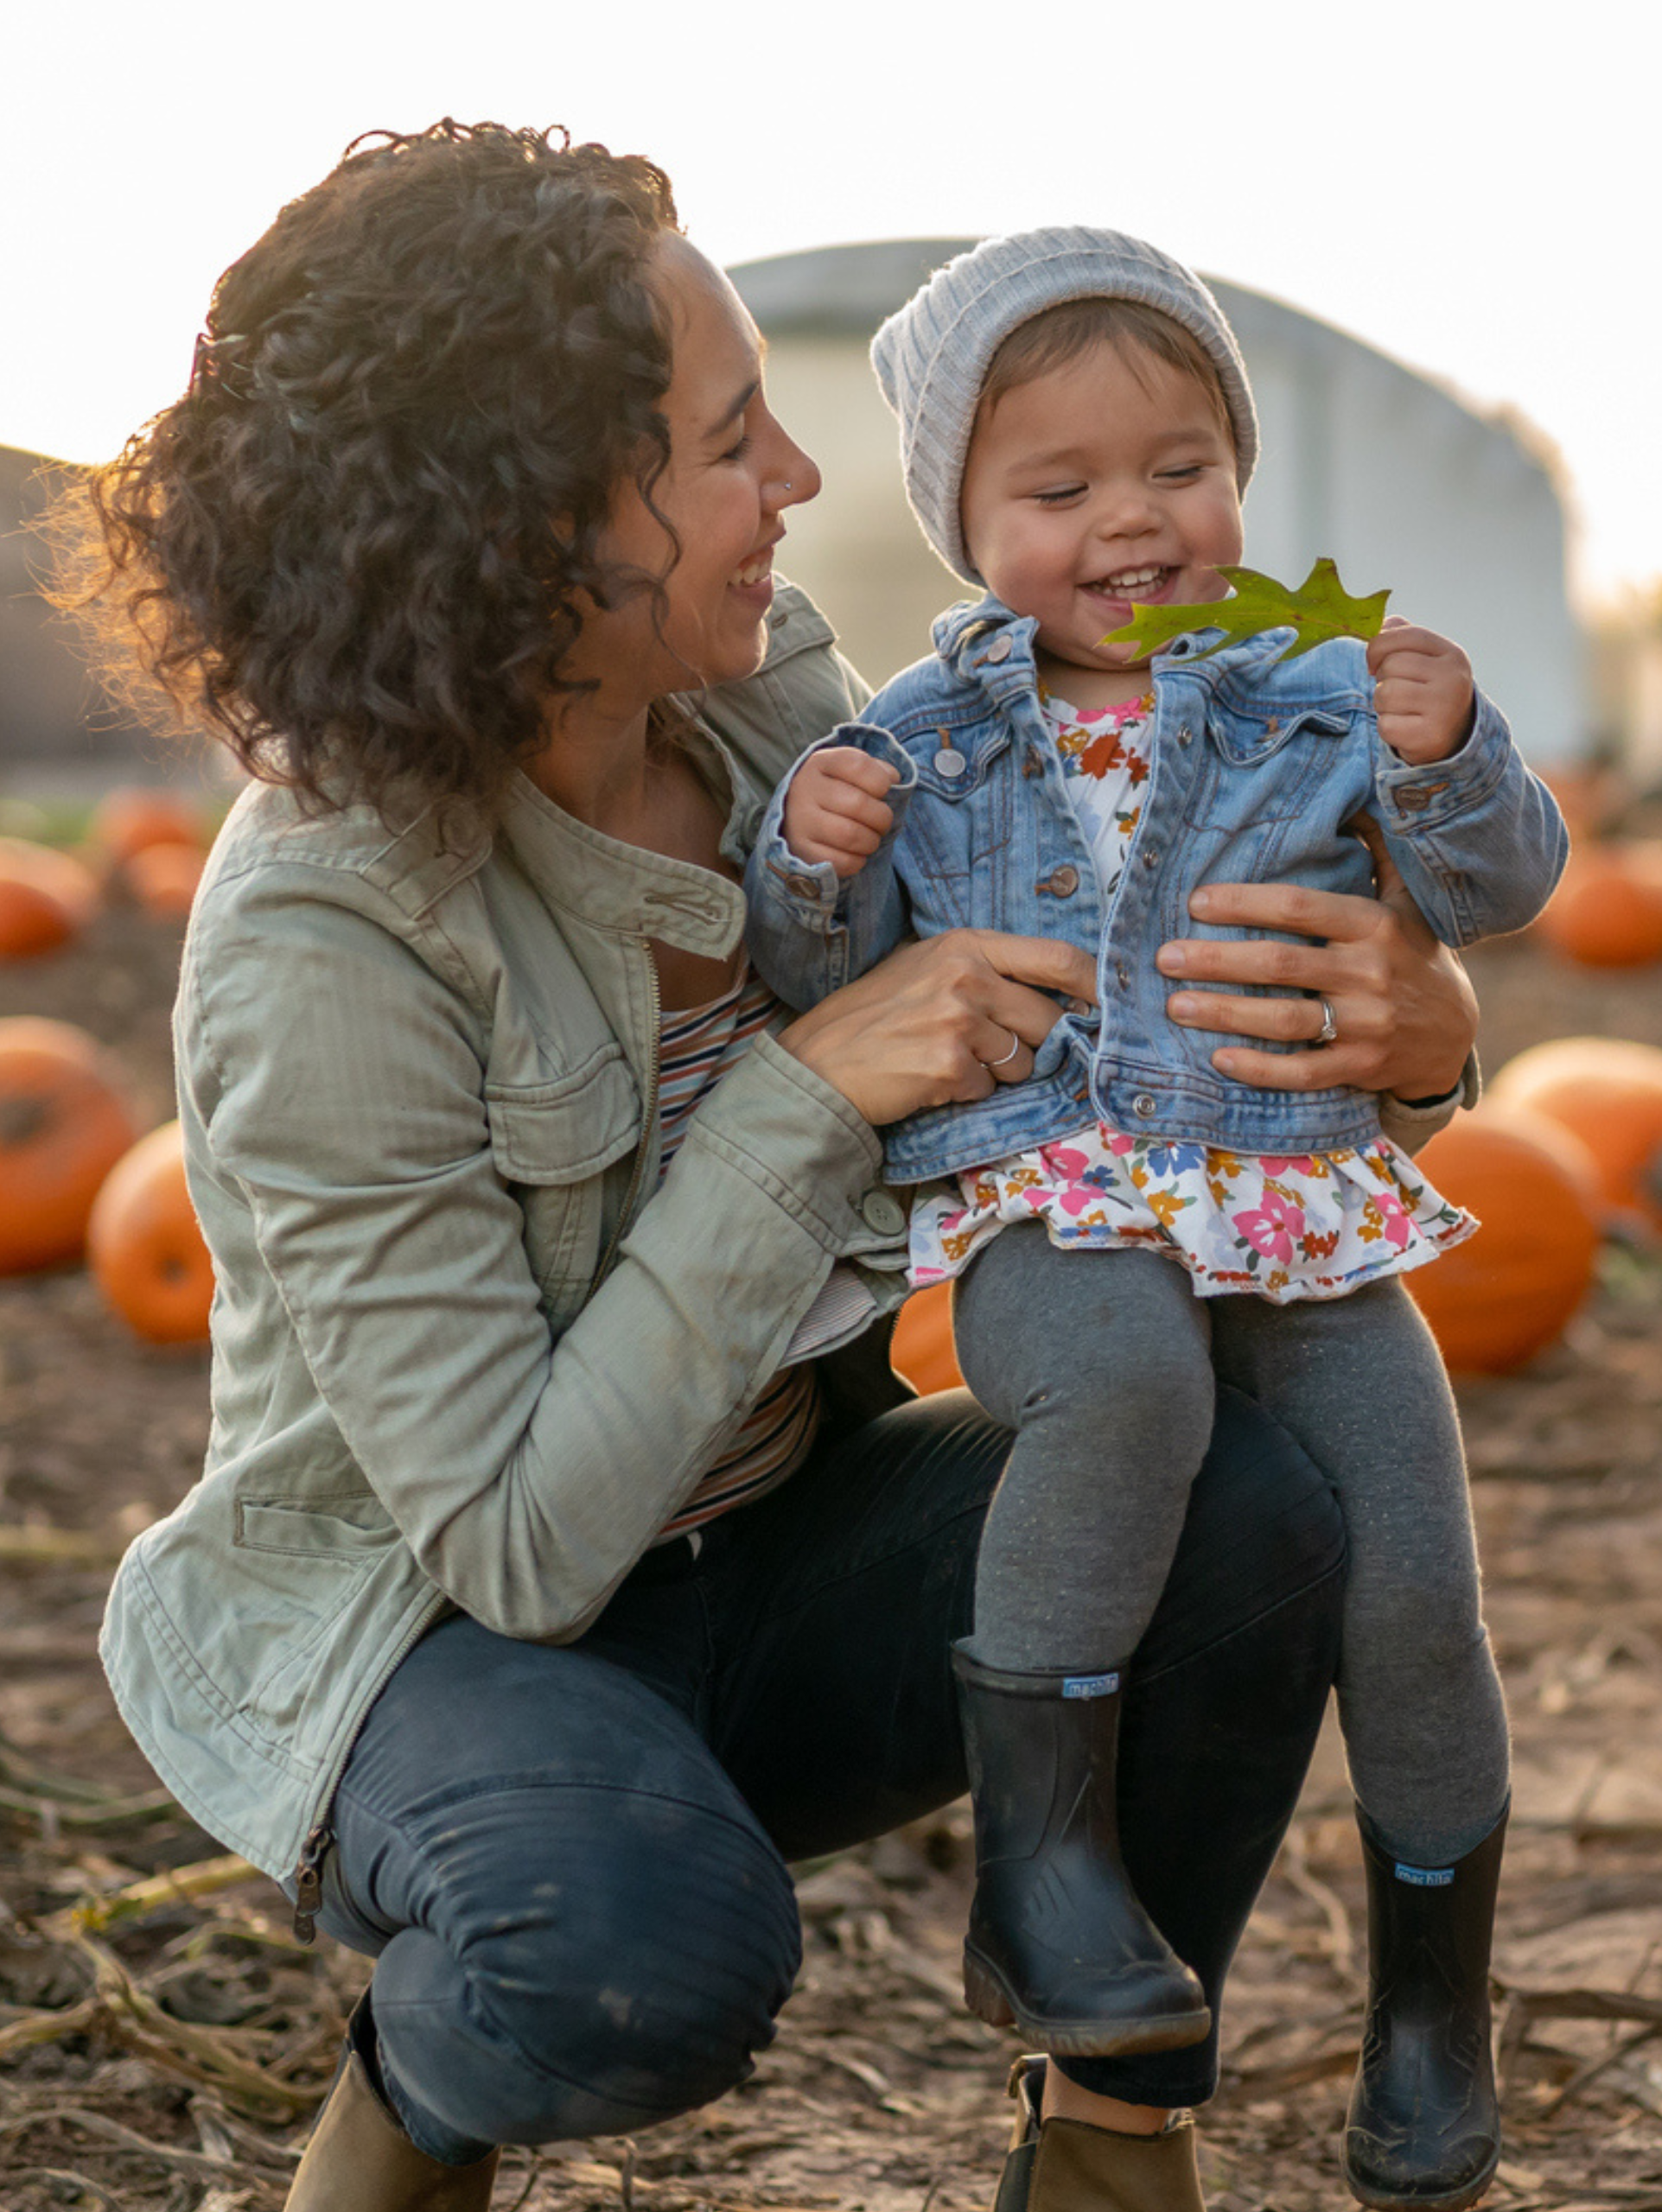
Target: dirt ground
x,y
165,2047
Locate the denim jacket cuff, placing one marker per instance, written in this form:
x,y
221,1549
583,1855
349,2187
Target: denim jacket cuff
x,y
1419,796
810,891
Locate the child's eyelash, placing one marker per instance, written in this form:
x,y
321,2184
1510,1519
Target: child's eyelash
x,y
738,451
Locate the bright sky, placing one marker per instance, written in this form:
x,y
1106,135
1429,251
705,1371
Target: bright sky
x,y
1473,195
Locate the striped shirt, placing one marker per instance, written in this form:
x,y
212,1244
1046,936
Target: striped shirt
x,y
696,1047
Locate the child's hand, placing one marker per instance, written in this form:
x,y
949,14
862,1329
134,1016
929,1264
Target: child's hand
x,y
835,809
1423,692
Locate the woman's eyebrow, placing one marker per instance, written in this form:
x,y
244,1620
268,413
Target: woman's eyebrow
x,y
726,421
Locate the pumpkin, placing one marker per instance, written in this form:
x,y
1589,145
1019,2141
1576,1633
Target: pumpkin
x,y
1608,1092
133,817
921,1351
144,1248
163,878
1607,911
63,1125
47,898
1507,1292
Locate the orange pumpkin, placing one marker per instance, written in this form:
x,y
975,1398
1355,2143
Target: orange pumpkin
x,y
47,898
164,877
921,1351
144,1248
1607,1091
1607,911
1507,1292
132,817
63,1125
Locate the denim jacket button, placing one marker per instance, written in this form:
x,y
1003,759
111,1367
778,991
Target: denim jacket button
x,y
1033,762
1145,1105
1186,737
1122,975
999,649
1151,858
1062,882
802,886
884,1214
949,762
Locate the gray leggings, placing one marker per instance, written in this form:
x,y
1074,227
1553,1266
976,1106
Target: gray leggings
x,y
1103,1363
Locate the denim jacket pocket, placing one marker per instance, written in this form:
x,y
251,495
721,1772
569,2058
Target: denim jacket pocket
x,y
959,819
1238,744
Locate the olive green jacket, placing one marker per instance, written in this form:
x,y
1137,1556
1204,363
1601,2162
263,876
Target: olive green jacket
x,y
459,1361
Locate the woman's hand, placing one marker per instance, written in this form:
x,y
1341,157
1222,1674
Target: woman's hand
x,y
1403,1006
941,1023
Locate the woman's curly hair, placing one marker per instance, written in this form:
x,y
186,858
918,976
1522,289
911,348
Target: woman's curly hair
x,y
360,542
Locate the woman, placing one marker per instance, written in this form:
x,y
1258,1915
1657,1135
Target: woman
x,y
543,1595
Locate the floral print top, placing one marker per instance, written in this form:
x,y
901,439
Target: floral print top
x,y
1281,1227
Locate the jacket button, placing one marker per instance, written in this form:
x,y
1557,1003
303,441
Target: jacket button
x,y
949,762
884,1214
999,649
1151,858
1185,737
802,886
1411,802
1145,1105
1062,882
1033,762
1123,975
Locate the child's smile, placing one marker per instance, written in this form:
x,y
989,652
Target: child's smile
x,y
1099,486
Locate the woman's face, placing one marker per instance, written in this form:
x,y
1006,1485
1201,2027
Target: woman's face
x,y
732,472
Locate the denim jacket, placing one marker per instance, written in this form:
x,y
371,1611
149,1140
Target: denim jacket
x,y
1259,762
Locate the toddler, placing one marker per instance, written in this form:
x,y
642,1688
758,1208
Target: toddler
x,y
1125,1224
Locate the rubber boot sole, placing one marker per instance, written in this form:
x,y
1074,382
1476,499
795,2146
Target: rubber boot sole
x,y
989,1999
1459,2200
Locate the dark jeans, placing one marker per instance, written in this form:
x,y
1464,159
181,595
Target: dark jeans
x,y
570,1860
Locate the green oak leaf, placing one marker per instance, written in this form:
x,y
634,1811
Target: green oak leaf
x,y
1320,608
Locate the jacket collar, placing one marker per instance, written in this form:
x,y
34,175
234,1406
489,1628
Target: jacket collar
x,y
597,879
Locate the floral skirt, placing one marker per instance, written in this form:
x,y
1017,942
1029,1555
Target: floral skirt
x,y
1277,1225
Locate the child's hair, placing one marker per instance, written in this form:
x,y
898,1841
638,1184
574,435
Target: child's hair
x,y
360,543
1064,334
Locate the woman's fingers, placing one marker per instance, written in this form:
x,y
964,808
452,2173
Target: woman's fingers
x,y
941,1022
1403,1006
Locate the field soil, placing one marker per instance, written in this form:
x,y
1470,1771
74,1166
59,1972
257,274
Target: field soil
x,y
164,2042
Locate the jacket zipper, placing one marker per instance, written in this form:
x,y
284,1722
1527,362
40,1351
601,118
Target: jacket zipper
x,y
320,1840
648,1126
309,1881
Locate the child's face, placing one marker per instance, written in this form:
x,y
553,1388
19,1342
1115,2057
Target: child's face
x,y
1095,485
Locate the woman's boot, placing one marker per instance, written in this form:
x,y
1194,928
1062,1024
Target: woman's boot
x,y
1067,2165
1424,2123
360,2159
1057,1942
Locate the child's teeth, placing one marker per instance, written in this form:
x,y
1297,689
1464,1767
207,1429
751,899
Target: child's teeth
x,y
1133,577
753,573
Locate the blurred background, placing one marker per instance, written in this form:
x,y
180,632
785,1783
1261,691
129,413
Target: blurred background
x,y
1430,236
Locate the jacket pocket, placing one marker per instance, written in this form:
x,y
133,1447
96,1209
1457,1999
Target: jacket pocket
x,y
568,1130
1262,769
345,1528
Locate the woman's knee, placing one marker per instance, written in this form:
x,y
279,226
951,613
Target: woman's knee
x,y
629,1975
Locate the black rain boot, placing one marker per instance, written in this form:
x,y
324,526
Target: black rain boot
x,y
1057,1942
1423,2129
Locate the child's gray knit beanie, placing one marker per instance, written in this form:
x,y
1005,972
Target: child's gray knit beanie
x,y
932,356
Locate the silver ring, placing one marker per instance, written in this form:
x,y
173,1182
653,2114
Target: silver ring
x,y
1015,1047
1329,1033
